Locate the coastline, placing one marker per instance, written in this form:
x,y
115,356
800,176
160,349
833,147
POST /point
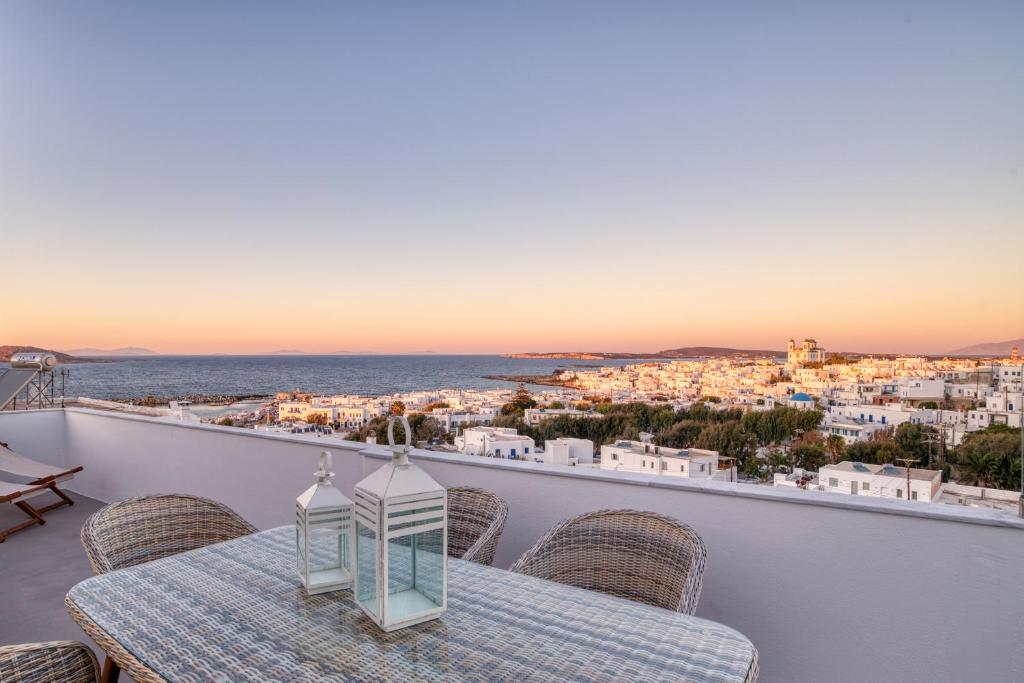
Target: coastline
x,y
551,380
206,399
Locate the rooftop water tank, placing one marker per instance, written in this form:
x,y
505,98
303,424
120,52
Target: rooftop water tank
x,y
37,360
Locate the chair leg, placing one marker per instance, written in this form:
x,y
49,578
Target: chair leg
x,y
110,671
28,510
64,499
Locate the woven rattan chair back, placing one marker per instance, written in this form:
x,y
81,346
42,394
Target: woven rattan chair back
x,y
640,556
476,519
63,661
142,529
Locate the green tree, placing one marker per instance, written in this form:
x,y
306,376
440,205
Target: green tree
x,y
682,434
861,451
912,441
513,421
778,460
424,428
521,400
427,428
779,424
990,458
809,456
977,468
397,408
729,439
316,419
835,445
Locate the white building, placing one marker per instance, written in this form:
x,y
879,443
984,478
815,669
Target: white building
x,y
566,451
302,411
884,481
852,430
801,401
346,416
648,458
917,389
453,421
858,422
534,416
498,442
351,416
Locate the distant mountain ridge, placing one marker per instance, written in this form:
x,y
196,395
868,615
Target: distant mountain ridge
x,y
1002,348
112,353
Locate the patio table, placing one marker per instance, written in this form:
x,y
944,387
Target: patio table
x,y
236,611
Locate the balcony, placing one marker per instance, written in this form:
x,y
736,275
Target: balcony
x,y
828,587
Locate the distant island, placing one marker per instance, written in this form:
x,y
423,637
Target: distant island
x,y
112,353
1003,348
300,352
684,352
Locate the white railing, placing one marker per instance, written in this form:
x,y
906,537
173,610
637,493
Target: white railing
x,y
828,587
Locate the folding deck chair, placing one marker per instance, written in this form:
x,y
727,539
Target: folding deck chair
x,y
16,495
37,473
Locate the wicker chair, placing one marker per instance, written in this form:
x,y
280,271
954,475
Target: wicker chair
x,y
476,519
147,528
639,556
62,661
142,529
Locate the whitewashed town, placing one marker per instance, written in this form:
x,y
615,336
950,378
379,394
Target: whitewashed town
x,y
924,429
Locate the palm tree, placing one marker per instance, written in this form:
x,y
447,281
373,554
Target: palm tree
x,y
836,447
977,469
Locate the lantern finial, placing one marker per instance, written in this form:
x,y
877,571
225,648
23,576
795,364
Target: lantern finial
x,y
324,474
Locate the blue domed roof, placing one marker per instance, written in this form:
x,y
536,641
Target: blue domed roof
x,y
800,396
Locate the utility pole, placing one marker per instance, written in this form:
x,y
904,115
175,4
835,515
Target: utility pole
x,y
1020,409
931,440
907,462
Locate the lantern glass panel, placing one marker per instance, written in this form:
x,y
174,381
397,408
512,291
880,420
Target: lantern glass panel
x,y
300,551
415,574
366,572
328,555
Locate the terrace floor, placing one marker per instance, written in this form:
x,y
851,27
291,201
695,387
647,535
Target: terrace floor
x,y
38,566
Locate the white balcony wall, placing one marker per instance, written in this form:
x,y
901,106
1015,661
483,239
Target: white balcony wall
x,y
828,587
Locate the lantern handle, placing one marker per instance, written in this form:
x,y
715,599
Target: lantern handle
x,y
324,474
401,453
391,430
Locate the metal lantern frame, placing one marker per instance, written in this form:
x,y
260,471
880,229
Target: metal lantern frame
x,y
320,508
381,514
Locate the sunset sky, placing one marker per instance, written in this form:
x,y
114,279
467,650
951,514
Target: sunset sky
x,y
473,177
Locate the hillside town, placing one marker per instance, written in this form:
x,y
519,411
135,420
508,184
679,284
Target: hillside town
x,y
876,426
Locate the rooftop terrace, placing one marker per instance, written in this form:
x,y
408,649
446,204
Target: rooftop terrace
x,y
786,568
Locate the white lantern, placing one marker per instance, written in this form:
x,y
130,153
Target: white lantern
x,y
323,534
401,519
